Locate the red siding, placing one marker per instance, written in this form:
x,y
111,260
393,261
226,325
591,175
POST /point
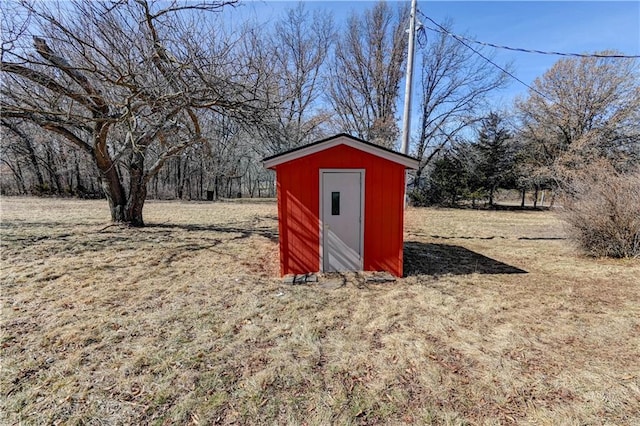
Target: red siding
x,y
298,209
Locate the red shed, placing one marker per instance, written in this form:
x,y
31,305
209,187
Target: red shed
x,y
340,206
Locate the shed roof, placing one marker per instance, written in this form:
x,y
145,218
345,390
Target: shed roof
x,y
340,139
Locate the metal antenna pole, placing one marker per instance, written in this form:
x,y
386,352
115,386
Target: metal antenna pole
x,y
406,122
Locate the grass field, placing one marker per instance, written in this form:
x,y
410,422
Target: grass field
x,y
498,321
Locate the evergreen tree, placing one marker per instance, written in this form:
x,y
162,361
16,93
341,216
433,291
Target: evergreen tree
x,y
496,159
449,179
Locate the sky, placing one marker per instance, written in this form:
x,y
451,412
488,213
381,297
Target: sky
x,y
562,26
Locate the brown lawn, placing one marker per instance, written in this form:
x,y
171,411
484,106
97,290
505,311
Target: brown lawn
x,y
499,321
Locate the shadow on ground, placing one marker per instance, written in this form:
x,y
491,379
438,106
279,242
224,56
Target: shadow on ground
x,y
442,259
245,230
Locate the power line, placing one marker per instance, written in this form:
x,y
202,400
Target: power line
x,y
520,49
462,41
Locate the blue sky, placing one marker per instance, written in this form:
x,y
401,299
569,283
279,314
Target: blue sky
x,y
565,26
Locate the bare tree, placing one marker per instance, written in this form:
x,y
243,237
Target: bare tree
x,y
298,45
456,85
22,146
580,111
366,72
127,82
41,164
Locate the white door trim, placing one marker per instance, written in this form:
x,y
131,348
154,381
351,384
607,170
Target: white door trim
x,y
321,212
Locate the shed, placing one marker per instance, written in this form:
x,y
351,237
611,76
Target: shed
x,y
340,206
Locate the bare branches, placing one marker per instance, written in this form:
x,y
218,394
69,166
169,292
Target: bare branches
x,y
589,111
455,88
47,82
181,6
295,55
130,82
366,73
62,64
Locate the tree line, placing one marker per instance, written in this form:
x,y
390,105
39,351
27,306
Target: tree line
x,y
580,114
135,99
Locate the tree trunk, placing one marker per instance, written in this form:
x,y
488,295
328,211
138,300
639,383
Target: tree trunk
x,y
53,173
524,194
17,174
416,179
34,163
124,209
30,151
179,173
80,189
109,176
115,196
154,186
137,190
201,179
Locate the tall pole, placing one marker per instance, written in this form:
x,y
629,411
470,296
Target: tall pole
x,y
406,121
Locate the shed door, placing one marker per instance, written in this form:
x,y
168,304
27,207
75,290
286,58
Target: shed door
x,y
341,214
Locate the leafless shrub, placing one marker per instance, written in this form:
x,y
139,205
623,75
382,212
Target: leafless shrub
x,y
602,208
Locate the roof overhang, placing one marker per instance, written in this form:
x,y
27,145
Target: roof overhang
x,y
341,139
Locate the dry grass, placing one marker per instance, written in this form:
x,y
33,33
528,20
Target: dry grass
x,y
183,322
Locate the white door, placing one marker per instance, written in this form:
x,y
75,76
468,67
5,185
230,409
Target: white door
x,y
341,215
